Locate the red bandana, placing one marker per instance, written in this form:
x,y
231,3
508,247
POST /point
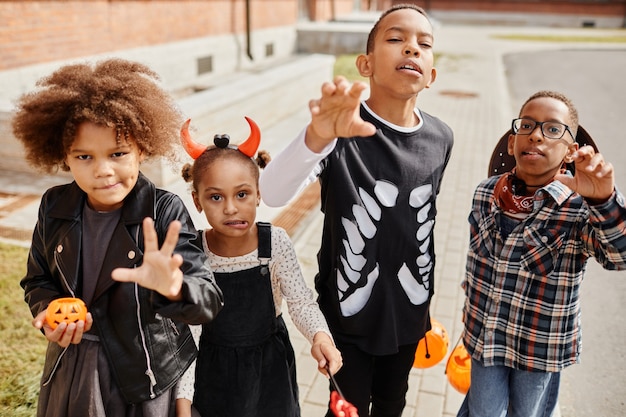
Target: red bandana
x,y
512,204
513,197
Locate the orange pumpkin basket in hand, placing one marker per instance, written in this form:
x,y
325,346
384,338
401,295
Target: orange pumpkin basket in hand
x,y
433,347
65,310
458,369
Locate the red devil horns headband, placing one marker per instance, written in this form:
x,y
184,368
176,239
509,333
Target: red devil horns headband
x,y
248,148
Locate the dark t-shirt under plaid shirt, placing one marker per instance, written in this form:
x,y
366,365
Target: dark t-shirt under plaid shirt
x,y
522,306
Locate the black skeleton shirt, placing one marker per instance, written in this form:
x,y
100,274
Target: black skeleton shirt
x,y
377,259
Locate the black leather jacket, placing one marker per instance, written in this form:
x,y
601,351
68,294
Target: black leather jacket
x,y
144,335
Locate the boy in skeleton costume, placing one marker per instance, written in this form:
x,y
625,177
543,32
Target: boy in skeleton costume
x,y
379,184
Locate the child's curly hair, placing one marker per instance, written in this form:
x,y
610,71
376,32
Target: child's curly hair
x,y
116,93
193,172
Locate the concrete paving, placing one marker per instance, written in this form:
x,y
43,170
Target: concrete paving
x,y
471,95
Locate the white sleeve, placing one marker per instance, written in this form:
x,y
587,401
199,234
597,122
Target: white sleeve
x,y
301,304
291,171
185,384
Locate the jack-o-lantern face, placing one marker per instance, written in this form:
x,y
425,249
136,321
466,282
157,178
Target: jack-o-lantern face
x,y
68,310
458,369
433,347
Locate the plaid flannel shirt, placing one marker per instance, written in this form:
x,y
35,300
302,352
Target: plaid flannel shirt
x,y
522,305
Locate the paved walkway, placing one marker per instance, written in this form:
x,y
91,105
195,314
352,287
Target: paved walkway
x,y
471,95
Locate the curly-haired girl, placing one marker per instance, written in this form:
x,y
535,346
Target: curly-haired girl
x,y
98,239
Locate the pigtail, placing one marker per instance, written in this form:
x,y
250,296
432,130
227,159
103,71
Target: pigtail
x,y
263,158
187,172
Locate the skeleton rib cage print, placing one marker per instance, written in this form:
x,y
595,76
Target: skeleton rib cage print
x,y
355,276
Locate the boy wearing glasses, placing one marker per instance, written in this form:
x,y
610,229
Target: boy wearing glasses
x,y
532,231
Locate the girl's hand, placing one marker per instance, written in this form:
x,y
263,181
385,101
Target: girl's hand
x,y
160,270
337,114
593,179
325,353
64,334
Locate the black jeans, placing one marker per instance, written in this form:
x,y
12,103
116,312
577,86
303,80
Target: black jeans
x,y
379,380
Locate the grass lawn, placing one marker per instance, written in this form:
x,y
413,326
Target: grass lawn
x,y
346,65
23,348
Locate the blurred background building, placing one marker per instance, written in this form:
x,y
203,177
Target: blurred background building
x,y
252,55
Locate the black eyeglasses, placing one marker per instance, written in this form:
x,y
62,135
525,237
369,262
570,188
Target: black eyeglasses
x,y
550,130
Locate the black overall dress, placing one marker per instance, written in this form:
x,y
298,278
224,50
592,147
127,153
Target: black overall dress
x,y
246,364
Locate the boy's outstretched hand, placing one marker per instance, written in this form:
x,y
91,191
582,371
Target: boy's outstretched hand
x,y
593,178
336,114
160,270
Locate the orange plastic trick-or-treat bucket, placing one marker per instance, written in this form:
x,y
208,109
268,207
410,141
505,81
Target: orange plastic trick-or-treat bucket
x,y
458,369
433,347
65,310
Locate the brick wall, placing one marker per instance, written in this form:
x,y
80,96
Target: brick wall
x,y
42,31
323,10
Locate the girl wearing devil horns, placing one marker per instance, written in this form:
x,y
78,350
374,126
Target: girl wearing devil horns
x,y
246,364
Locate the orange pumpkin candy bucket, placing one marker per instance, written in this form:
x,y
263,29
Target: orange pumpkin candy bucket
x,y
65,310
458,369
433,347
